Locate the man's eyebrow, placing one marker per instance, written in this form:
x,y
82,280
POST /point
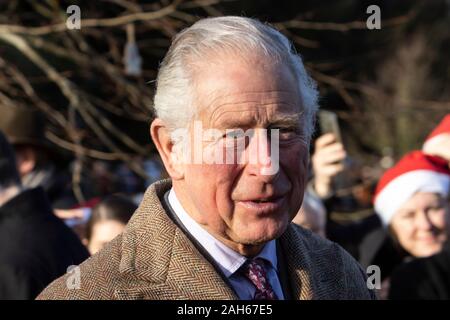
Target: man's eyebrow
x,y
232,124
287,120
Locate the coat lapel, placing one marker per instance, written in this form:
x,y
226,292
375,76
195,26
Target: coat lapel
x,y
200,279
312,266
159,262
298,266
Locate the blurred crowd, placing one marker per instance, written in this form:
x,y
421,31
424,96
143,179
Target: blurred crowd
x,y
399,222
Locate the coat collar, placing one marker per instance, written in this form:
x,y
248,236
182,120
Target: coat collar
x,y
158,260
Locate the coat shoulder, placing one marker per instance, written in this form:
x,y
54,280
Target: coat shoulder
x,y
94,279
330,263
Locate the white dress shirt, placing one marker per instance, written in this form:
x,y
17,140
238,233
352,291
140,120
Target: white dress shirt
x,y
228,260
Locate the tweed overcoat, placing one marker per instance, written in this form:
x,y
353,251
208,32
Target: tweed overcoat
x,y
154,259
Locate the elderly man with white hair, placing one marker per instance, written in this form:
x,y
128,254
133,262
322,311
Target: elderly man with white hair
x,y
235,112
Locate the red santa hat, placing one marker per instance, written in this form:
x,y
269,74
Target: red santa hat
x,y
442,130
415,172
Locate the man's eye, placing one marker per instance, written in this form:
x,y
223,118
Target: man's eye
x,y
237,134
287,133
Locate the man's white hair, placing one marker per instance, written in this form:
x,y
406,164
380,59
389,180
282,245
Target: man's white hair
x,y
174,100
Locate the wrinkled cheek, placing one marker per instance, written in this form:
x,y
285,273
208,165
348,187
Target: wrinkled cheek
x,y
298,163
296,169
225,179
210,187
212,173
294,158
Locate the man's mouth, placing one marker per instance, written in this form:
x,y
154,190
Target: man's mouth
x,y
263,205
262,200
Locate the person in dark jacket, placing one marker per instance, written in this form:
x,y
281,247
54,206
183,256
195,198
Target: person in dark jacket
x,y
36,247
431,278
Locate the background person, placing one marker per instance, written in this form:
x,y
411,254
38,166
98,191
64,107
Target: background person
x,y
36,247
312,215
412,201
350,218
108,219
38,162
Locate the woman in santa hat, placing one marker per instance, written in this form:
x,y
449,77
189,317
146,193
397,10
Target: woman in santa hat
x,y
425,234
412,200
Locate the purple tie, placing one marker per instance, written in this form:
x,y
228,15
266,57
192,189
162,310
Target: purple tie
x,y
254,271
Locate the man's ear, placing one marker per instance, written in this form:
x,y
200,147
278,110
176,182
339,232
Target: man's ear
x,y
163,142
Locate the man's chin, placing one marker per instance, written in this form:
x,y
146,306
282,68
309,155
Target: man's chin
x,y
261,237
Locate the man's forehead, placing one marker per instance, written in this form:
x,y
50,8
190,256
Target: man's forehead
x,y
245,106
263,97
234,78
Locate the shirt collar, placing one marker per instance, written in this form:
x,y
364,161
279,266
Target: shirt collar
x,y
228,260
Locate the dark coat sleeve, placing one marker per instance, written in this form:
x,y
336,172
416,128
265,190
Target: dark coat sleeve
x,y
18,284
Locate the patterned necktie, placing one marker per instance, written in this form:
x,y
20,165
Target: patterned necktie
x,y
254,271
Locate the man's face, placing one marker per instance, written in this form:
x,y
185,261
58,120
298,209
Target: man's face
x,y
243,204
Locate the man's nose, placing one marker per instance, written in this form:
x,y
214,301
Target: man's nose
x,y
262,154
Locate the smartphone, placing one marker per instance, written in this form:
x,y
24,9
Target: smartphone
x,y
328,122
